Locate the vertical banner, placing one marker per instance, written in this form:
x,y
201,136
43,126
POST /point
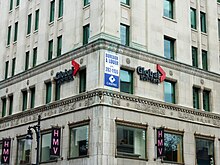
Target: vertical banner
x,y
111,70
160,142
6,150
55,142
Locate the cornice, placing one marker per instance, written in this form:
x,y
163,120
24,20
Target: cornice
x,y
102,44
122,101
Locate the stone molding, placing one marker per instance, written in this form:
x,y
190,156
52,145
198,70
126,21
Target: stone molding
x,y
102,97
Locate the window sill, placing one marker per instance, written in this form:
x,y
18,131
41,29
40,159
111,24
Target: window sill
x,y
194,30
170,162
129,156
86,6
10,11
203,33
49,161
170,19
35,31
51,23
15,43
79,157
28,35
8,46
60,19
16,7
125,5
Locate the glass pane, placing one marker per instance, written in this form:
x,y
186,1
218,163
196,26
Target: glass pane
x,y
17,2
203,22
11,5
82,81
29,24
173,147
23,154
204,152
85,34
34,57
36,19
86,2
168,48
219,29
45,147
168,8
24,106
204,60
196,98
193,18
124,34
0,151
206,105
9,35
59,45
48,92
13,66
52,5
125,2
131,142
3,107
16,32
57,95
27,61
169,92
50,50
10,104
60,8
126,81
6,69
32,97
79,137
194,57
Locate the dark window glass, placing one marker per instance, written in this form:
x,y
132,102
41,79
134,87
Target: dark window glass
x,y
17,2
194,57
203,21
23,153
126,81
86,34
196,97
82,81
126,2
36,19
204,60
57,92
59,45
50,50
169,48
168,8
48,92
13,66
0,149
60,14
32,97
193,18
169,92
16,32
219,29
206,105
27,61
131,142
6,69
124,34
9,35
34,57
173,147
79,141
52,7
3,107
86,2
204,152
24,96
11,5
10,104
29,24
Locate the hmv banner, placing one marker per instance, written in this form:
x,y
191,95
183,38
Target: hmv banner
x,y
55,142
6,149
160,142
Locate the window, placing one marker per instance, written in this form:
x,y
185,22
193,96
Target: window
x,y
24,96
11,5
59,45
204,151
131,141
169,91
16,32
57,92
60,14
48,92
46,147
32,97
3,107
6,69
193,18
203,22
206,105
9,35
79,141
126,2
10,104
36,19
168,8
194,57
82,81
27,61
124,34
17,2
85,34
126,81
29,24
173,147
196,97
13,67
86,2
218,1
169,48
0,149
23,153
34,57
219,29
50,50
52,5
204,60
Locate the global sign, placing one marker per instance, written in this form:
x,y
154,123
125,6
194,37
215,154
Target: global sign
x,y
153,77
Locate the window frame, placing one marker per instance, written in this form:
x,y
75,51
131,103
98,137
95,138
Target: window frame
x,y
11,100
4,106
6,69
173,92
29,24
52,11
203,22
48,98
13,67
131,83
194,57
27,58
36,25
86,2
9,36
59,45
204,60
32,95
50,50
206,95
171,55
125,34
132,125
125,2
76,125
34,62
86,34
16,32
11,5
193,18
24,99
57,91
82,83
196,103
60,9
170,10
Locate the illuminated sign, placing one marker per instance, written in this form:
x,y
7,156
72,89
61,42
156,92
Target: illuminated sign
x,y
149,75
6,149
160,142
55,142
